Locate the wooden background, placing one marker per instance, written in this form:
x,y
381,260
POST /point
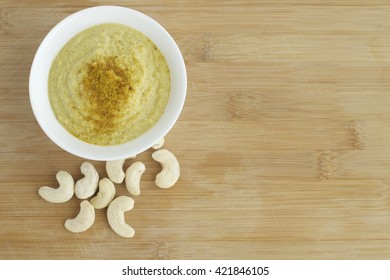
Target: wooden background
x,y
284,140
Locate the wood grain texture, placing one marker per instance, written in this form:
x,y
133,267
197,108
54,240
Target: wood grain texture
x,y
283,141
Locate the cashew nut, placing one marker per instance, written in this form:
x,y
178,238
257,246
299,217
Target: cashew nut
x,y
61,194
159,144
114,170
88,185
170,168
116,217
84,219
105,195
133,177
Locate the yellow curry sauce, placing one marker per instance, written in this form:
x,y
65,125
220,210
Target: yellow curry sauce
x,y
109,84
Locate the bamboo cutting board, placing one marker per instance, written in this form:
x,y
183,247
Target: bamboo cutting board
x,y
283,140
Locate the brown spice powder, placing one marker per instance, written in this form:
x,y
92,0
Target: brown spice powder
x,y
107,88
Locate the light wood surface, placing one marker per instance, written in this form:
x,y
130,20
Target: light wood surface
x,y
284,140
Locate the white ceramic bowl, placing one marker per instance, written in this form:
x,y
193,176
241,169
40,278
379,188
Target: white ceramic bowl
x,y
60,35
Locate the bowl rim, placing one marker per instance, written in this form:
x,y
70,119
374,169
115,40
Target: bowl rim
x,y
82,149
